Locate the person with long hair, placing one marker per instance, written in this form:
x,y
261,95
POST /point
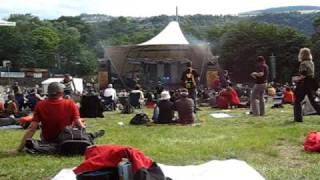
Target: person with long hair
x,y
305,84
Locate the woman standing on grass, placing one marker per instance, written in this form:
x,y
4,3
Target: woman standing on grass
x,y
305,84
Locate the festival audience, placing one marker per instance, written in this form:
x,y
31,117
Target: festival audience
x,y
233,96
33,98
54,114
150,100
228,98
110,92
1,107
305,84
11,107
185,107
189,78
137,90
261,78
110,97
69,85
18,94
165,109
288,96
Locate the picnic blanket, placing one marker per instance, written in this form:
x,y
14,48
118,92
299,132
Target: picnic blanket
x,y
221,115
11,127
217,170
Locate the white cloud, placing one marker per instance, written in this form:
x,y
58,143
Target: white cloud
x,y
56,8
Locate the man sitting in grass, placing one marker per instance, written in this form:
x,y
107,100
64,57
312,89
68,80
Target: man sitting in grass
x,y
185,107
54,114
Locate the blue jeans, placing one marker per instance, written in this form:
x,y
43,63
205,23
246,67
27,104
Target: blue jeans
x,y
155,114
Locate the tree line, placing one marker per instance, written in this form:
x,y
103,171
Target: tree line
x,y
73,44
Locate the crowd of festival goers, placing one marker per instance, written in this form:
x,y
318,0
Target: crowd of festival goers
x,y
170,106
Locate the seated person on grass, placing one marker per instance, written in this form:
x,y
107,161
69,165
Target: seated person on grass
x,y
150,102
1,107
234,98
228,97
164,112
54,114
185,107
288,96
137,90
10,107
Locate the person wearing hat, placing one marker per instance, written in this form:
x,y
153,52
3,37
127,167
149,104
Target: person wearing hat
x,y
185,107
54,114
165,107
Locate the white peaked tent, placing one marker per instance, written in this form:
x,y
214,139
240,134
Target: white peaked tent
x,y
161,58
171,35
6,23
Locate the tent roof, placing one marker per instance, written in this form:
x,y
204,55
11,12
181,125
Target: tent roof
x,y
170,35
6,23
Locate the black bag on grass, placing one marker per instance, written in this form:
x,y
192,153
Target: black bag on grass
x,y
74,141
140,118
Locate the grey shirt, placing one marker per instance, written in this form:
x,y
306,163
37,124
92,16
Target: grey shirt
x,y
306,68
185,108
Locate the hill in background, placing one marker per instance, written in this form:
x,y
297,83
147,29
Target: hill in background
x,y
286,9
300,18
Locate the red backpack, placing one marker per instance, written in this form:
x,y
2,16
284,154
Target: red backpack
x,y
312,142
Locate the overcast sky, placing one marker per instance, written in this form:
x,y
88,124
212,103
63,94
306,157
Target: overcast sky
x,y
50,9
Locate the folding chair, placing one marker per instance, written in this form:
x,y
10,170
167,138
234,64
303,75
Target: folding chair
x,y
134,100
108,103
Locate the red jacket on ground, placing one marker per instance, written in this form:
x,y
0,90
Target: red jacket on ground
x,y
312,142
105,156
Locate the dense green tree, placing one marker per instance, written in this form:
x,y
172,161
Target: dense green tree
x,y
241,43
83,38
44,42
87,62
316,46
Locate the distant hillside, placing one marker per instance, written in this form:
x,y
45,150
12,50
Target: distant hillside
x,y
96,17
286,9
298,21
198,25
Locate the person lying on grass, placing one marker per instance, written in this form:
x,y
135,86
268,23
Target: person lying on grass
x,y
54,114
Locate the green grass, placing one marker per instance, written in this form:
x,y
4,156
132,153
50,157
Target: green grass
x,y
273,145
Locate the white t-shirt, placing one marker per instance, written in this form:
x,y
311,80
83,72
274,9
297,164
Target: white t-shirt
x,y
110,92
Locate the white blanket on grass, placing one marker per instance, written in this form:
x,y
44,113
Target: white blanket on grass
x,y
221,115
11,127
217,170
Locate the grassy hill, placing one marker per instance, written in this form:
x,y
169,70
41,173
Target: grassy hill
x,y
273,144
